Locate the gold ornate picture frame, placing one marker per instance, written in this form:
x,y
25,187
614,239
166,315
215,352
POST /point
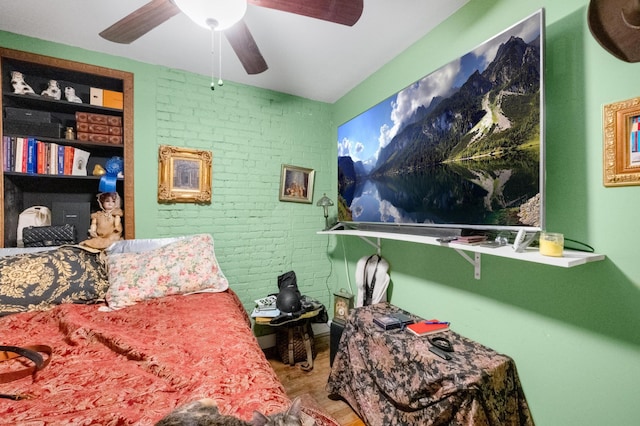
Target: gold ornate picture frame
x,y
184,175
621,143
296,184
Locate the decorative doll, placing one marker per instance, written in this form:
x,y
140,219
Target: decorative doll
x,y
106,224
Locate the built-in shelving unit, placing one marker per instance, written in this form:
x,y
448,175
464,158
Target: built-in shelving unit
x,y
569,259
45,119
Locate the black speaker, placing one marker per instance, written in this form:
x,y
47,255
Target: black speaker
x,y
335,335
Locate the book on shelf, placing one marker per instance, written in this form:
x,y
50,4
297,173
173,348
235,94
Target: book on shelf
x,y
470,239
41,157
68,160
423,328
29,155
392,321
32,166
20,156
60,160
6,153
52,151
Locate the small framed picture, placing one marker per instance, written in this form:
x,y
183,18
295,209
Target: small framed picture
x,y
184,175
296,184
622,143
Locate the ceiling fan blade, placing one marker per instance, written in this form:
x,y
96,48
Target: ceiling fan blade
x,y
140,21
246,49
345,12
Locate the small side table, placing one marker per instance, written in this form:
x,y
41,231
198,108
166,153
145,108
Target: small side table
x,y
302,326
389,377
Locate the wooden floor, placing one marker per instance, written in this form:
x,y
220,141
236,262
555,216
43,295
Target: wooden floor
x,y
298,382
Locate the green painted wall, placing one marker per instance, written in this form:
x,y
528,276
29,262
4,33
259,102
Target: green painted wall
x,y
251,133
574,333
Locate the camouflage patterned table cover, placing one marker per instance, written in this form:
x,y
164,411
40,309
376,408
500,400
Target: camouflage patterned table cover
x,y
391,378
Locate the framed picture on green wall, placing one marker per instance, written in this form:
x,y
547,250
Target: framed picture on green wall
x,y
296,184
622,143
184,175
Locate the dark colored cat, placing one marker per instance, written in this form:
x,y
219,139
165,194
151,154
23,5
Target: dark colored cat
x,y
205,413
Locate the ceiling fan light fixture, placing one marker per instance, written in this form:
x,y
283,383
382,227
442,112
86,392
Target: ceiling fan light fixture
x,y
224,13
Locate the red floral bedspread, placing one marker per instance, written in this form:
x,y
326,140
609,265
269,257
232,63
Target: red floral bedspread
x,y
135,365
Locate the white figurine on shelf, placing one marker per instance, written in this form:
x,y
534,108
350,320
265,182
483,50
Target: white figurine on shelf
x,y
70,95
53,91
19,85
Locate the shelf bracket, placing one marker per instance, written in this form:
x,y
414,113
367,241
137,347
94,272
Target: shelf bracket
x,y
476,262
376,246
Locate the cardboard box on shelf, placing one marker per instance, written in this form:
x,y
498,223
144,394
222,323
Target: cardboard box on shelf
x,y
111,99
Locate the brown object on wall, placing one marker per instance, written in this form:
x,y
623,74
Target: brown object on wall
x,y
615,24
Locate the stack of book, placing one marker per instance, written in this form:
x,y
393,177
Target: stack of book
x,y
29,155
98,128
265,310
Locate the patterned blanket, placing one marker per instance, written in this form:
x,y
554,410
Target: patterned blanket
x,y
391,378
135,365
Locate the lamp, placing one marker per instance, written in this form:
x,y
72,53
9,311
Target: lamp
x,y
325,202
215,14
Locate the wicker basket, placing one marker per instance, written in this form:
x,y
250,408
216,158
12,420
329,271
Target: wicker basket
x,y
299,350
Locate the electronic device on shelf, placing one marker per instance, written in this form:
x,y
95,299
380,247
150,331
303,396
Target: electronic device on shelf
x,y
463,152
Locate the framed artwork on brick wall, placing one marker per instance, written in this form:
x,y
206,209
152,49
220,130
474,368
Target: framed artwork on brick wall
x,y
296,184
184,175
622,143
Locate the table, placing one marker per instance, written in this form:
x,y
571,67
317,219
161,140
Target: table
x,y
391,378
298,326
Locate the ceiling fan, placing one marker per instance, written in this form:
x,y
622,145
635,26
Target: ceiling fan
x,y
154,13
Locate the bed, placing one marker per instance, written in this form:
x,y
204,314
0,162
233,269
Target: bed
x,y
133,359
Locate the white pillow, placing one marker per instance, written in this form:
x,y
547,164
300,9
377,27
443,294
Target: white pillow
x,y
139,245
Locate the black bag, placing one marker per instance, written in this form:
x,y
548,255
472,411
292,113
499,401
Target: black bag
x,y
46,236
288,280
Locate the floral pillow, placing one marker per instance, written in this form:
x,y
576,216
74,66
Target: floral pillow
x,y
185,266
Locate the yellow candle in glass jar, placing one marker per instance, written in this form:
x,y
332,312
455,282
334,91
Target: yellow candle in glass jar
x,y
551,244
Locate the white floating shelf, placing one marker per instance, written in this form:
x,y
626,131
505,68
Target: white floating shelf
x,y
569,259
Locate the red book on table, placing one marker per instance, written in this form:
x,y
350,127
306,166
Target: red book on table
x,y
422,328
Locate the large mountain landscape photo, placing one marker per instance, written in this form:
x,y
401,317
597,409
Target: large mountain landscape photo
x,y
466,153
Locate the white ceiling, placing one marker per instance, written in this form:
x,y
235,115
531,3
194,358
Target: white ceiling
x,y
306,57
